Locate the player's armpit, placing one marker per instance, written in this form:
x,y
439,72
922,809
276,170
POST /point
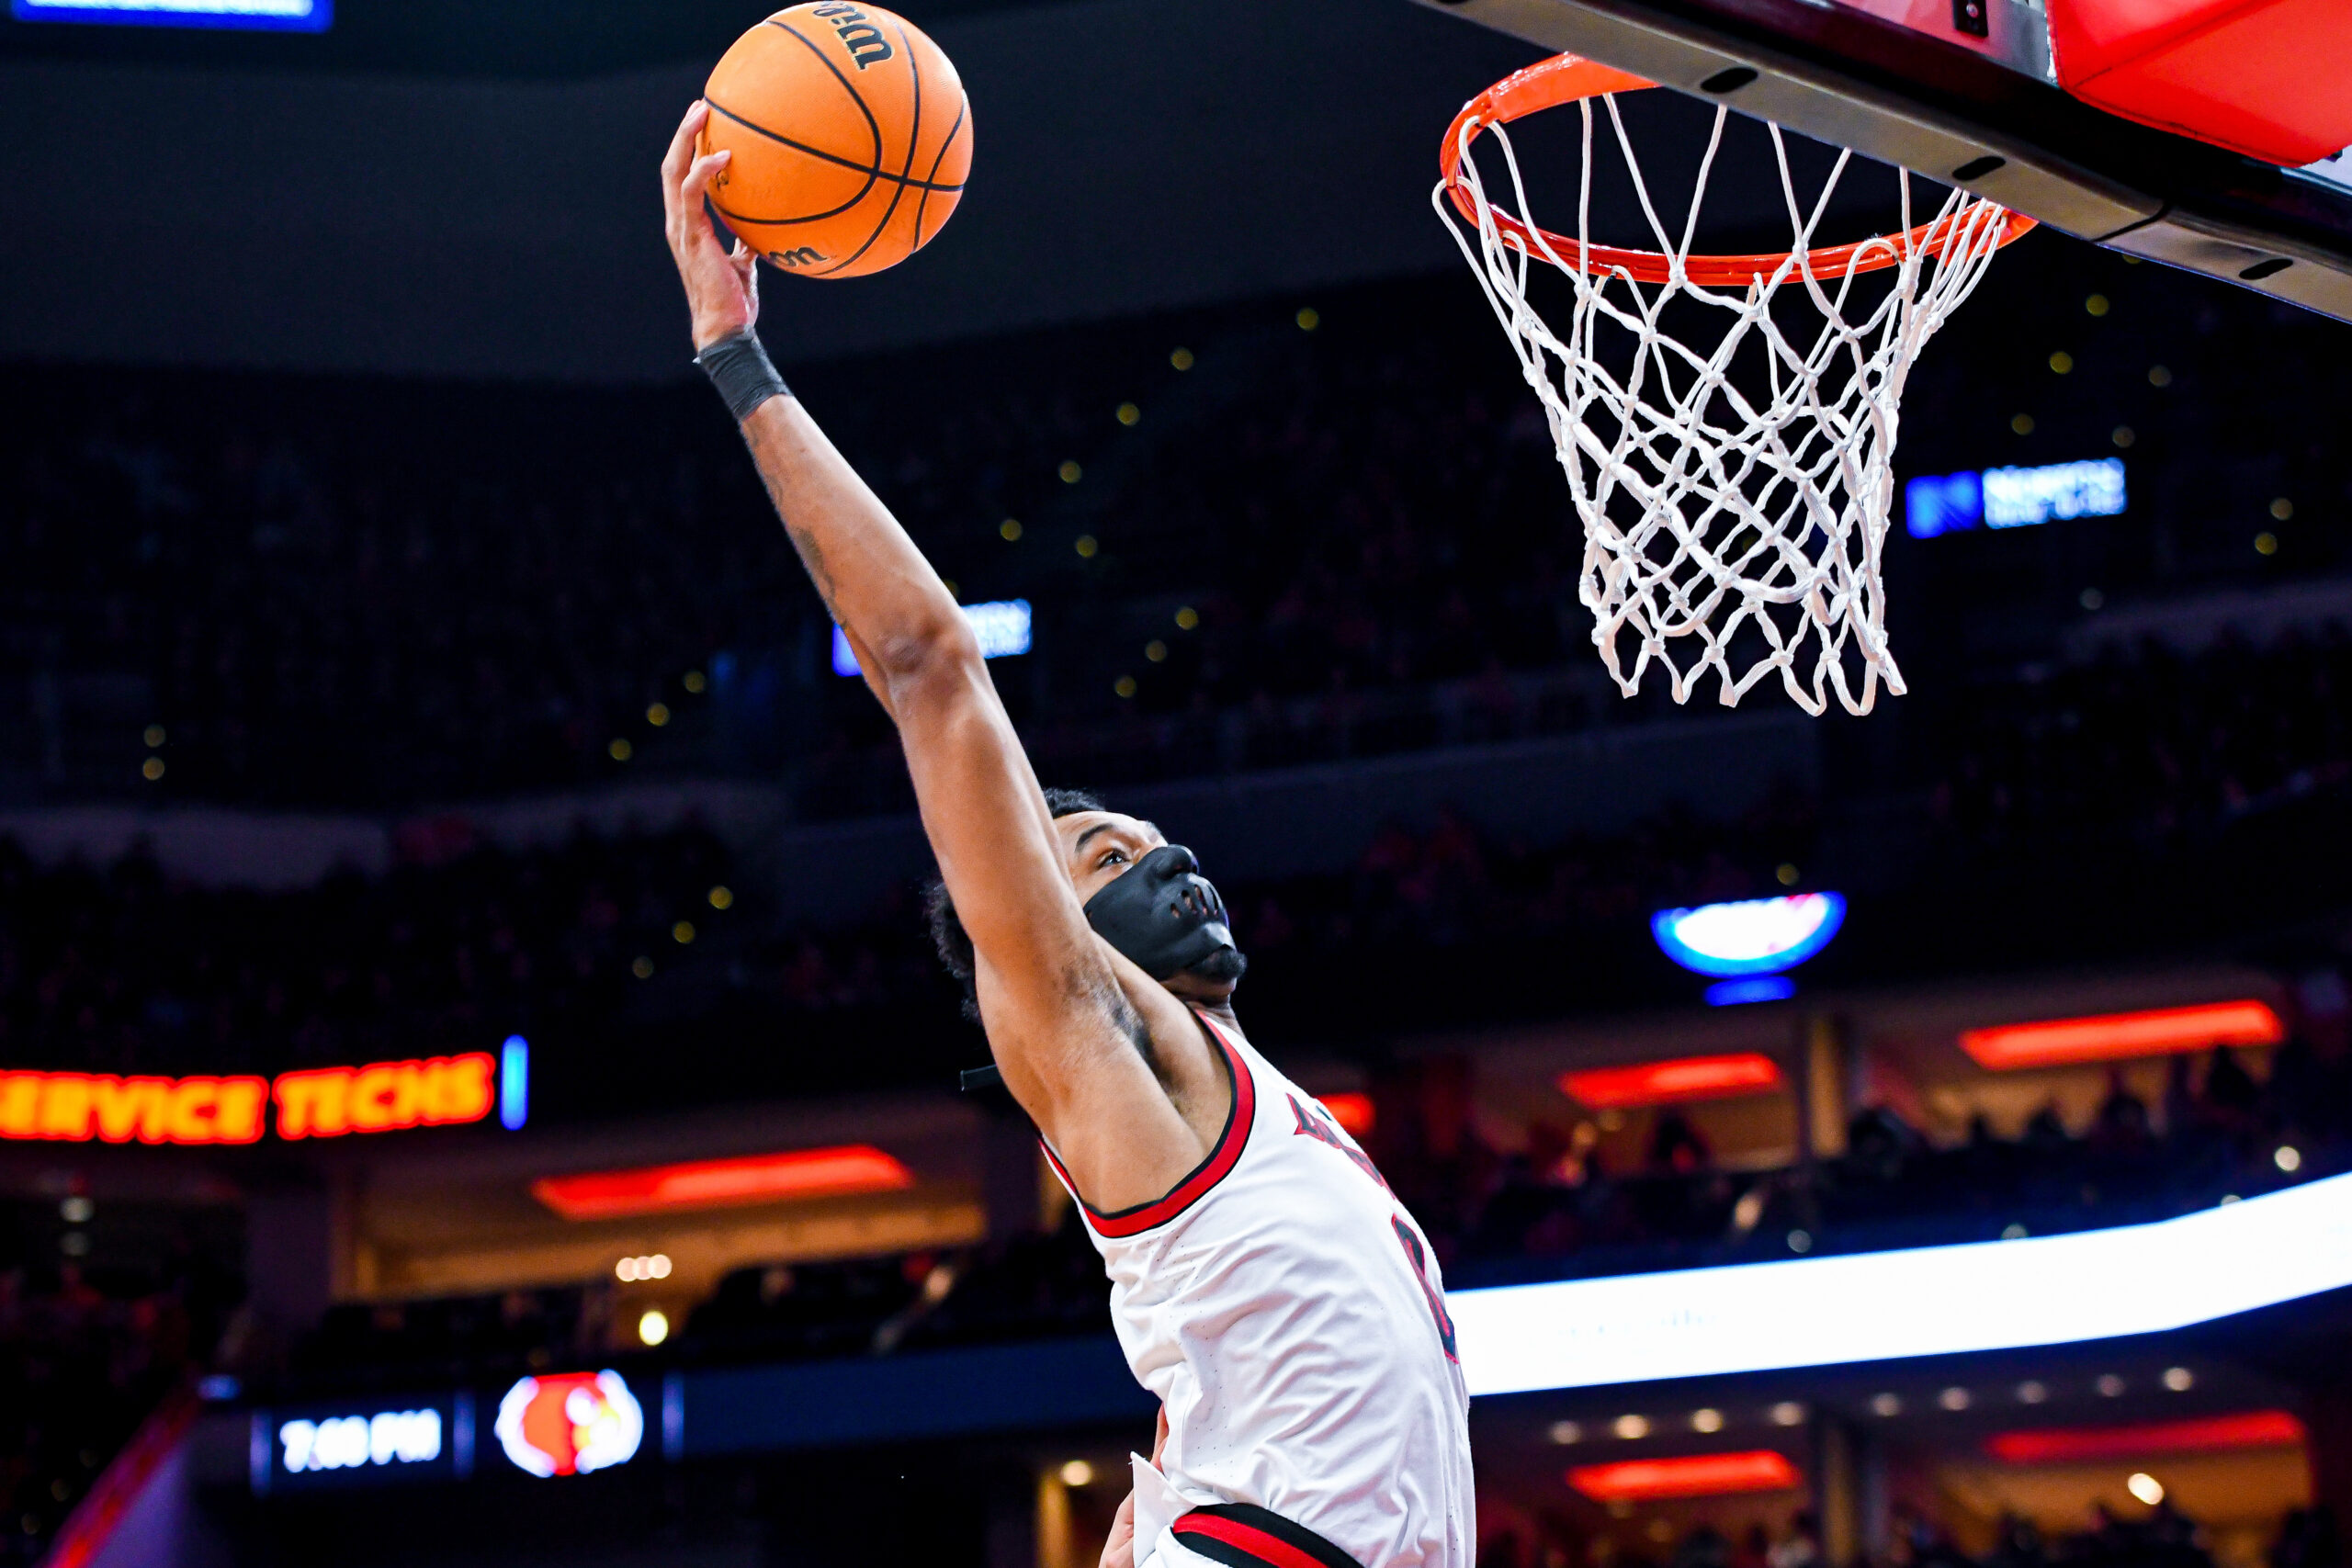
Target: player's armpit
x,y
1072,1045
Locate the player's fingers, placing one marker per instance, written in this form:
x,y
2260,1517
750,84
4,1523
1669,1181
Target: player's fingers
x,y
692,188
1119,1547
709,163
682,151
682,142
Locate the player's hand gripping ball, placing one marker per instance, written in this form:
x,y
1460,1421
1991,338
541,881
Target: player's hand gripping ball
x,y
851,137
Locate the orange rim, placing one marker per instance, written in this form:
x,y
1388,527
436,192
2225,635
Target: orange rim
x,y
1569,79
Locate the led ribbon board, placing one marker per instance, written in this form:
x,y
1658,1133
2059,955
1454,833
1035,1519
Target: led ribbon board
x,y
1756,936
1690,1476
2160,1032
835,1172
2012,498
1936,1301
268,16
318,1102
1665,1083
2197,1434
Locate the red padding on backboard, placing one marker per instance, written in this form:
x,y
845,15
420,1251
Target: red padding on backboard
x,y
2267,78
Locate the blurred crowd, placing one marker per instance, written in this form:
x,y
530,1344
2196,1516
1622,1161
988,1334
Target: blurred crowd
x,y
356,596
2148,743
86,1354
124,969
1441,886
505,1334
121,968
1557,1206
1021,1287
344,599
118,968
1252,537
1376,560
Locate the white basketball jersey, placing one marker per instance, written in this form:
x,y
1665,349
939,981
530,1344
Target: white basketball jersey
x,y
1289,1315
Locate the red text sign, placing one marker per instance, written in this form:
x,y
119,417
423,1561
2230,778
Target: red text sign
x,y
386,1097
79,1107
323,1102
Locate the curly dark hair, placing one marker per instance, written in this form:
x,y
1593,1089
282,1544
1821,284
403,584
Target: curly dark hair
x,y
947,932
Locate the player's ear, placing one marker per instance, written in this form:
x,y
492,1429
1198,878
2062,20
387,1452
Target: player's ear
x,y
952,944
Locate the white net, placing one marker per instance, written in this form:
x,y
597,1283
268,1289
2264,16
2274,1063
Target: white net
x,y
1734,480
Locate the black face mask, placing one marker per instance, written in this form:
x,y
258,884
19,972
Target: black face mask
x,y
1166,917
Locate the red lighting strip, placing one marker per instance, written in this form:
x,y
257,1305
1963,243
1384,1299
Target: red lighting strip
x,y
1694,1475
1351,1112
2153,1034
2249,1429
1665,1083
720,1183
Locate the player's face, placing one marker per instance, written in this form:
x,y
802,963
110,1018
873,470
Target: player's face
x,y
1098,846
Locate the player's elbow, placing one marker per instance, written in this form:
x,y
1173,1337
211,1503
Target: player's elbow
x,y
941,651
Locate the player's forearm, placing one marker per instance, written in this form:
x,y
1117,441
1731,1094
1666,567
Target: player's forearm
x,y
875,584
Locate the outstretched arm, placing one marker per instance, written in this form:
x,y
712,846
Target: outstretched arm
x,y
1068,1026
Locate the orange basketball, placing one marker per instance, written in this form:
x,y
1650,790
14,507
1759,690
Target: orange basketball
x,y
851,137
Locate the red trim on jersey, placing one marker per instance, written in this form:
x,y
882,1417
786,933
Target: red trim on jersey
x,y
1221,1157
1246,1537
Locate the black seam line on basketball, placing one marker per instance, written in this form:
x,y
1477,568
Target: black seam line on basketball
x,y
923,206
879,174
923,203
867,169
872,126
734,217
870,173
731,215
914,135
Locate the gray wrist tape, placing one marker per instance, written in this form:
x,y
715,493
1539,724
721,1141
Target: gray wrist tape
x,y
738,365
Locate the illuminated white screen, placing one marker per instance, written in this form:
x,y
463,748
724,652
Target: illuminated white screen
x,y
1932,1301
300,16
2335,171
351,1442
1755,936
2019,498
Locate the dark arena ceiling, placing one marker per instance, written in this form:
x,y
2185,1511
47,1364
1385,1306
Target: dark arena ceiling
x,y
522,40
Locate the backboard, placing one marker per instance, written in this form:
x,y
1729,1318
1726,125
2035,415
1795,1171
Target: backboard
x,y
1966,91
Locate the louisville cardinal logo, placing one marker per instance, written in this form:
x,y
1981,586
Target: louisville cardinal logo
x,y
571,1423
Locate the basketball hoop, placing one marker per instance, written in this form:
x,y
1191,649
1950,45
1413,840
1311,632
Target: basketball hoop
x,y
1713,508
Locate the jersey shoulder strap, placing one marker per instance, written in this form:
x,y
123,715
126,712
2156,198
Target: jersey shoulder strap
x,y
1241,1112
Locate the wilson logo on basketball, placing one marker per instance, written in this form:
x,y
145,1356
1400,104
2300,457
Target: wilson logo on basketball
x,y
804,256
859,35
